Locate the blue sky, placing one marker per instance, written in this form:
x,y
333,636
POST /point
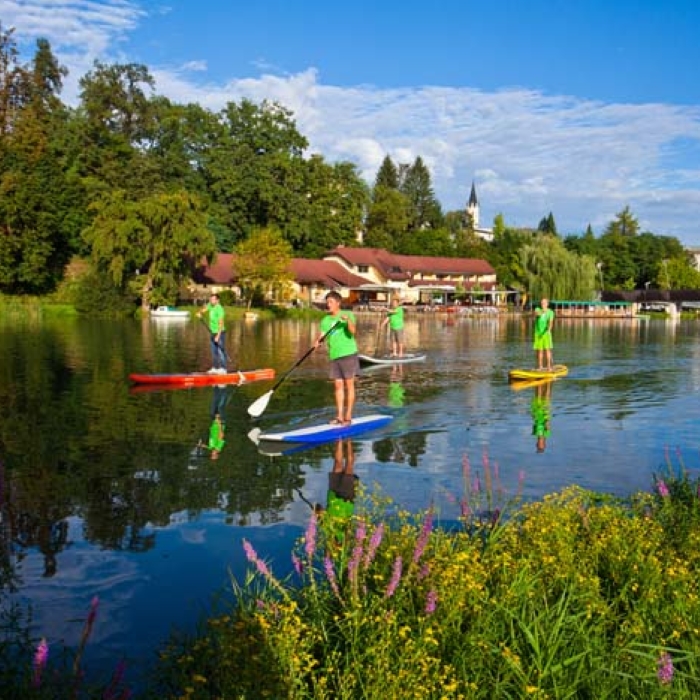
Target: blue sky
x,y
578,107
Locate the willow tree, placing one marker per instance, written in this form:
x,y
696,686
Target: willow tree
x,y
554,272
154,239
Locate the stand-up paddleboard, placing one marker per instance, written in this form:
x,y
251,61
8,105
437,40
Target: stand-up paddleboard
x,y
325,432
366,360
520,384
202,378
516,375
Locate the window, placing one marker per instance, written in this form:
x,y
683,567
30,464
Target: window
x,y
363,268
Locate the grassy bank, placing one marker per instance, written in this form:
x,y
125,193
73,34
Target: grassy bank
x,y
576,596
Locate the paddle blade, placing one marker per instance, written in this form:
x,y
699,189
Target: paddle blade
x,y
257,408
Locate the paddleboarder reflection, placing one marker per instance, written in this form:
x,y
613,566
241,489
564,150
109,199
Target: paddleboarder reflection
x,y
396,390
541,409
342,488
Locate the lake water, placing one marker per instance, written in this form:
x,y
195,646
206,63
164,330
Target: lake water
x,y
104,492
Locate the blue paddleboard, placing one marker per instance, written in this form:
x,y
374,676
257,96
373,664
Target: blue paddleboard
x,y
325,432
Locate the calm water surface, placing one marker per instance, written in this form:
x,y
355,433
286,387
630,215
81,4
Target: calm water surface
x,y
104,492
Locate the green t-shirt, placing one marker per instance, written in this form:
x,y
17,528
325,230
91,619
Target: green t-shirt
x,y
216,314
216,436
340,341
540,417
396,394
396,318
542,321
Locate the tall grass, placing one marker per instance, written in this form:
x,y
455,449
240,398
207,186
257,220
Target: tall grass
x,y
576,596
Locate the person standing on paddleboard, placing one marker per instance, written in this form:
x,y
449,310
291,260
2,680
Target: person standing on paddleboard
x,y
543,344
217,333
338,328
395,320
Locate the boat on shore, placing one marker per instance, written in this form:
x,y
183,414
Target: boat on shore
x,y
169,312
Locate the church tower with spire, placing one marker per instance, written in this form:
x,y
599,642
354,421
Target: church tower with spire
x,y
473,212
473,207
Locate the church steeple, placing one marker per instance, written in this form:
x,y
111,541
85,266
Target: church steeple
x,y
473,207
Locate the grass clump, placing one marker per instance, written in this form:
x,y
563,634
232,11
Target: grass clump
x,y
575,596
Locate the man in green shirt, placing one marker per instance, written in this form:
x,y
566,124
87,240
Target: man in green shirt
x,y
338,332
395,320
217,334
543,344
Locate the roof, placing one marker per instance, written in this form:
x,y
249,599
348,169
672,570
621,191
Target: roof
x,y
322,272
326,273
403,267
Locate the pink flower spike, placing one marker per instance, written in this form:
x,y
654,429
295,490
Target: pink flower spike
x,y
431,602
41,656
664,668
395,577
663,489
310,536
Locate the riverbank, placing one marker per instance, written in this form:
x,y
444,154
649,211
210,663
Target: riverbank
x,y
577,595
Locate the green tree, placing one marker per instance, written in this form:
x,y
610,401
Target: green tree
x,y
552,271
117,126
39,192
387,219
624,224
416,186
262,266
148,241
548,225
387,175
255,172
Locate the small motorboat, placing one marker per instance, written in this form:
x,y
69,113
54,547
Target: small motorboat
x,y
169,312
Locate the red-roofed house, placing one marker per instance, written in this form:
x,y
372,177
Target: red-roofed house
x,y
416,277
312,278
366,275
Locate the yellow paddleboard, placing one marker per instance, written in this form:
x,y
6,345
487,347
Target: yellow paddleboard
x,y
517,375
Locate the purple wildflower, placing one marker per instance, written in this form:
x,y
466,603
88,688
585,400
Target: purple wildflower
x,y
354,562
466,470
94,604
422,540
662,488
41,656
250,553
476,484
664,668
310,537
110,692
298,566
424,572
330,575
431,602
465,509
395,577
252,556
374,543
361,532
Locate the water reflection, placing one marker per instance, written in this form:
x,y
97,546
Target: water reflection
x,y
541,410
99,494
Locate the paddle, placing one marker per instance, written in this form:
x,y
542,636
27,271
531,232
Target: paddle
x,y
257,408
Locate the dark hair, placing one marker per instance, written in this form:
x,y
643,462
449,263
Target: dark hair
x,y
334,295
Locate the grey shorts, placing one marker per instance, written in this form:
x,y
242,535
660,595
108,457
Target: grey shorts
x,y
397,335
345,367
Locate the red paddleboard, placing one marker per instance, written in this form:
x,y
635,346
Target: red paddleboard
x,y
201,378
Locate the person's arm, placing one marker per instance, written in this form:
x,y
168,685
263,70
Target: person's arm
x,y
350,323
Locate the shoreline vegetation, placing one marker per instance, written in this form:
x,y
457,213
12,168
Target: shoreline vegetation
x,y
32,307
577,595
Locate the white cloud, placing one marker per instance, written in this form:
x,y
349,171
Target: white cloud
x,y
528,152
